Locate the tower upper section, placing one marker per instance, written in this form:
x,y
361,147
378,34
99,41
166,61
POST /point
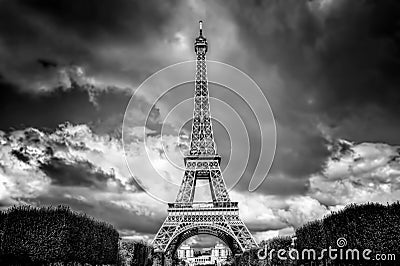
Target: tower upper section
x,y
202,138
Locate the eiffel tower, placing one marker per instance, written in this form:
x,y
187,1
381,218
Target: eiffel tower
x,y
187,218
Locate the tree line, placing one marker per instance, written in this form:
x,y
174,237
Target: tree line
x,y
60,236
370,226
55,235
135,253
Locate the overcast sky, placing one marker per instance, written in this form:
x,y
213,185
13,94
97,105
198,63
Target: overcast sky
x,y
330,70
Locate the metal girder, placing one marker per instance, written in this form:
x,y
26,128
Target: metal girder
x,y
202,169
202,139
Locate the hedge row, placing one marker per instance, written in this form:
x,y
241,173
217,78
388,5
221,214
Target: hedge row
x,y
135,253
31,235
370,226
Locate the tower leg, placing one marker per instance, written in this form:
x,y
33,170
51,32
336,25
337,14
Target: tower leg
x,y
168,262
236,259
242,259
168,259
158,258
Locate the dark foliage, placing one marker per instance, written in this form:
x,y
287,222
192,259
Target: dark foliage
x,y
135,253
370,226
272,246
47,235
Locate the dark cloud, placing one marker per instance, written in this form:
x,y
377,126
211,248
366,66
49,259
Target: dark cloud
x,y
48,110
47,63
78,33
339,66
40,40
95,20
80,173
335,58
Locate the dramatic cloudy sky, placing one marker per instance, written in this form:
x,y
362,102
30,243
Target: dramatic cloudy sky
x,y
330,70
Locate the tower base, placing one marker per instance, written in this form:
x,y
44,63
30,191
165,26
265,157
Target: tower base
x,y
220,219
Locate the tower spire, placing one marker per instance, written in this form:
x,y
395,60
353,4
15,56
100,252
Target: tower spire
x,y
202,137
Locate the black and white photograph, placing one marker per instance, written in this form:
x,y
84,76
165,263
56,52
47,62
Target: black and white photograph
x,y
199,132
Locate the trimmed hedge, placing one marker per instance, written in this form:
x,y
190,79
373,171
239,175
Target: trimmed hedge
x,y
369,226
134,253
277,243
45,235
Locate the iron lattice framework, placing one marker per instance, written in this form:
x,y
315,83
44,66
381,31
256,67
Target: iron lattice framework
x,y
220,217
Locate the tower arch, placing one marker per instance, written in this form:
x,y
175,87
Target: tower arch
x,y
191,230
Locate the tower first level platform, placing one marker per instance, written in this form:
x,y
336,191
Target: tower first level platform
x,y
220,219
